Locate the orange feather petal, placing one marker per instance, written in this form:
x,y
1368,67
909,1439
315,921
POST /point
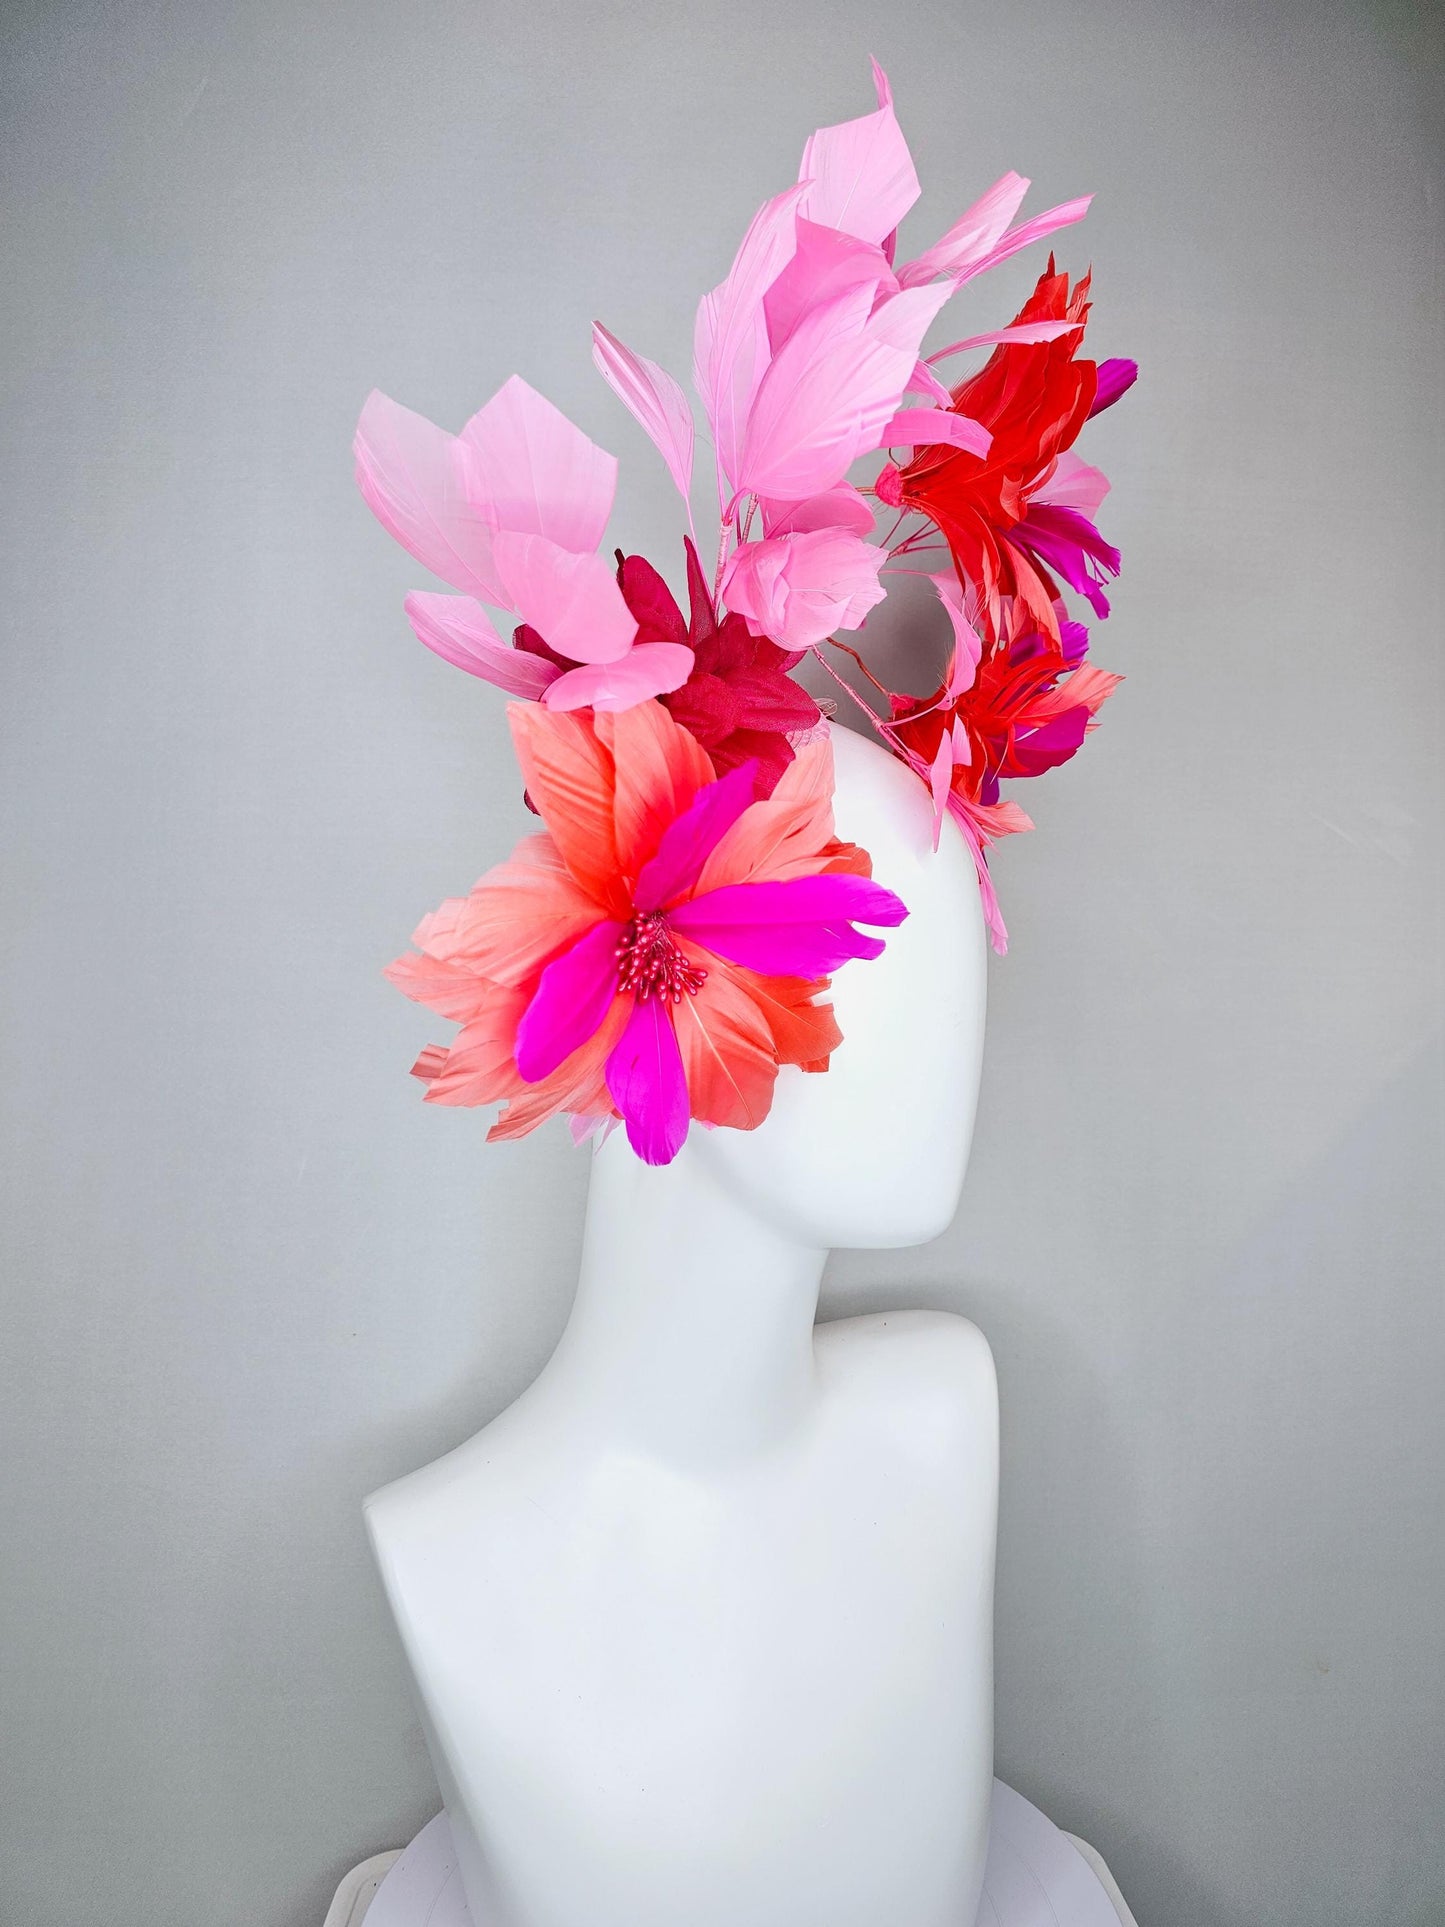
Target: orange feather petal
x,y
727,1051
658,768
518,917
570,776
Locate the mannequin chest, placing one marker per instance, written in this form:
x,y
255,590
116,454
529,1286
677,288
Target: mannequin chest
x,y
780,1664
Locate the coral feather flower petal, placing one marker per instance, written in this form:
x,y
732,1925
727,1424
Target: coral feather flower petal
x,y
459,630
590,977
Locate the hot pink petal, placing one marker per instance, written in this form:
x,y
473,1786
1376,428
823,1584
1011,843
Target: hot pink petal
x,y
573,996
860,174
931,427
972,234
1116,377
461,632
1069,544
801,928
690,839
645,1081
571,600
797,589
416,485
535,472
648,669
654,398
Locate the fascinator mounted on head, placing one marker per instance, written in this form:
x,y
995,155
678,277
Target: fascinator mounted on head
x,y
664,943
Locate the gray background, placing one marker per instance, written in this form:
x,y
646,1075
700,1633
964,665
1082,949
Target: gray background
x,y
246,1277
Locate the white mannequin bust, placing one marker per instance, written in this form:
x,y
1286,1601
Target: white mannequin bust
x,y
701,1626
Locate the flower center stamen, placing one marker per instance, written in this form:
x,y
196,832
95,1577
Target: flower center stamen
x,y
650,964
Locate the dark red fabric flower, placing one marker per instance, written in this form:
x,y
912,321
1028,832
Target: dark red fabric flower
x,y
739,701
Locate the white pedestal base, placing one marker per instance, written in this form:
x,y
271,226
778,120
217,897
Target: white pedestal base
x,y
1036,1876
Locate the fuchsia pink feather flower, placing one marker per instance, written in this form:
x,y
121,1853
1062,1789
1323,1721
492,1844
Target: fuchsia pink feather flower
x,y
657,954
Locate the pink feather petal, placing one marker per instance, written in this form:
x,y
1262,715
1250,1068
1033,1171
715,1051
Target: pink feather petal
x,y
1026,234
690,839
830,391
1074,485
799,928
573,996
860,175
535,472
797,589
645,1081
841,507
648,669
967,643
1021,332
972,235
975,839
461,632
940,781
730,342
414,482
826,264
571,600
932,427
654,398
923,381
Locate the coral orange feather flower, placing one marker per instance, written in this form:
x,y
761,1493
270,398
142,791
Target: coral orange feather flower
x,y
659,951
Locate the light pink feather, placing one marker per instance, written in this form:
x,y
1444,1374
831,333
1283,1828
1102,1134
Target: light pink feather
x,y
967,643
826,264
648,669
1023,332
1074,485
572,601
831,390
415,484
730,342
843,507
923,381
1024,236
799,588
972,234
654,398
933,427
860,173
940,780
535,472
461,632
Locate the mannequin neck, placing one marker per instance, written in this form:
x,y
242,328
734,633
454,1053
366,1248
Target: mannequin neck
x,y
692,1331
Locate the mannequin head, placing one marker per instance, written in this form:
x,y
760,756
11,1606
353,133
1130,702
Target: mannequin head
x,y
872,1153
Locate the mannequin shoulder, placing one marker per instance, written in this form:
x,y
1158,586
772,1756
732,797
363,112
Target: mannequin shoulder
x,y
933,1370
476,1483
